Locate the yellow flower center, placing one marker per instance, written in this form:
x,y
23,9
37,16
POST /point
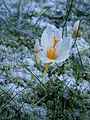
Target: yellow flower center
x,y
51,54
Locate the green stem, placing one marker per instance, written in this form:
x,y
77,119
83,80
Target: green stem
x,y
80,58
66,18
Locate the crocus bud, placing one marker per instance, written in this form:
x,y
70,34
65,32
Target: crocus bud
x,y
37,48
75,28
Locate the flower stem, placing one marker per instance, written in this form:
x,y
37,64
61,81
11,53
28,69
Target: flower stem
x,y
45,71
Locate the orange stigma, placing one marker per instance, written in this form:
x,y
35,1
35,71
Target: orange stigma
x,y
55,42
52,50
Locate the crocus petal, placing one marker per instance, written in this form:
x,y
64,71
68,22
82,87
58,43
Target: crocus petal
x,y
57,34
75,28
76,25
44,58
65,46
63,57
47,38
58,45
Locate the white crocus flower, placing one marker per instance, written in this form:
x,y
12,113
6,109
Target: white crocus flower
x,y
54,48
75,28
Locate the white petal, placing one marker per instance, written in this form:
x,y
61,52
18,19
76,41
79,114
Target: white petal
x,y
65,46
63,57
58,45
44,58
57,34
47,38
76,25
